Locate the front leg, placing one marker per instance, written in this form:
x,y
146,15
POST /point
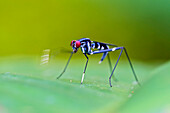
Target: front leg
x,y
65,66
84,68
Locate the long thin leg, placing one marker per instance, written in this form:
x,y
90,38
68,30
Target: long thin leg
x,y
65,66
84,69
132,67
110,65
115,66
114,49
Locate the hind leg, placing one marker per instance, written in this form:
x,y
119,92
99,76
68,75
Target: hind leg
x,y
110,65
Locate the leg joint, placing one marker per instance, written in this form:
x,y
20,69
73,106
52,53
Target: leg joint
x,y
117,48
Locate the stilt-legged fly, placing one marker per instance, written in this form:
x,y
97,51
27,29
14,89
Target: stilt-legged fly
x,y
89,47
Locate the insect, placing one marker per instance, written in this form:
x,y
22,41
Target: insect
x,y
87,47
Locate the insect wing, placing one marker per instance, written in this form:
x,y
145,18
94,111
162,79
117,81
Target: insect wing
x,y
106,44
49,55
45,57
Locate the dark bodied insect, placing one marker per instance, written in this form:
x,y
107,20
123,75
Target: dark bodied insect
x,y
87,47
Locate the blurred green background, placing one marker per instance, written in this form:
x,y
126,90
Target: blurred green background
x,y
27,27
142,26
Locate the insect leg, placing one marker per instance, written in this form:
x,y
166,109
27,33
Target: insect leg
x,y
114,49
65,66
110,65
131,67
115,64
84,68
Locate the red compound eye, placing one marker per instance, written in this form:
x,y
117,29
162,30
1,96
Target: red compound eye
x,y
78,43
72,42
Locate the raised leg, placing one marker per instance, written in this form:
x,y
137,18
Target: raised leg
x,y
84,68
65,66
